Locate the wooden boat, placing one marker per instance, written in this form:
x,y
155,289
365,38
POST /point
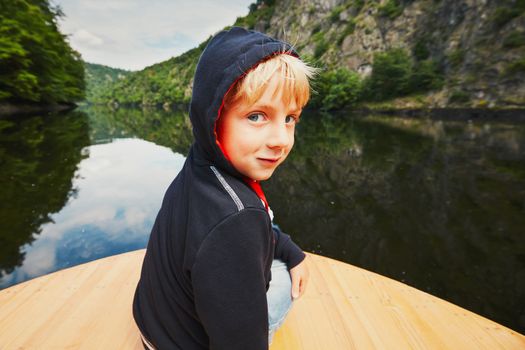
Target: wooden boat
x,y
345,307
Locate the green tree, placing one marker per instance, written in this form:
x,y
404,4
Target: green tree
x,y
390,76
337,89
395,74
425,76
36,62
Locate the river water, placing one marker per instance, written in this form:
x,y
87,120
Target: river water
x,y
437,203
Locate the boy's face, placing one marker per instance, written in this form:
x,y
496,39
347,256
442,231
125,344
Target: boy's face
x,y
259,137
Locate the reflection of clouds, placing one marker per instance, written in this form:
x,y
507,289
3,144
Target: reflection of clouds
x,y
39,260
94,166
71,217
128,176
135,216
120,188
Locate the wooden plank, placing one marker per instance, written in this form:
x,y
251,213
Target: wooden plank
x,y
344,307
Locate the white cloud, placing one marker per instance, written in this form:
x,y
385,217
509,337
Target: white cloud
x,y
83,37
133,34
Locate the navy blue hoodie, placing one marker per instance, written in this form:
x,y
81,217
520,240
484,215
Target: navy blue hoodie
x,y
207,266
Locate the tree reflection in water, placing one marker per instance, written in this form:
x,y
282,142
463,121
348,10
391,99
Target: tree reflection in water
x,y
38,159
438,205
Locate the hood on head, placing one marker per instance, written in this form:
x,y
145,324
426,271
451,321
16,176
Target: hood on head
x,y
228,57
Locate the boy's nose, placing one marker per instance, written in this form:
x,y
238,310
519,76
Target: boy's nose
x,y
279,136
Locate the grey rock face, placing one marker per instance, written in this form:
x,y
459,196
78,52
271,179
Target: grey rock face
x,y
460,35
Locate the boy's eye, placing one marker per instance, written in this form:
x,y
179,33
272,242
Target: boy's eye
x,y
256,117
291,119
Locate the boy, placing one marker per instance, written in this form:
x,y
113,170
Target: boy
x,y
205,280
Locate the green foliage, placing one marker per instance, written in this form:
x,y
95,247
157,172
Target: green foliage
x,y
260,11
358,5
420,50
425,76
321,45
516,67
247,21
36,62
165,82
391,9
390,76
317,28
459,97
260,3
504,14
514,39
334,14
456,57
394,74
337,89
349,29
100,78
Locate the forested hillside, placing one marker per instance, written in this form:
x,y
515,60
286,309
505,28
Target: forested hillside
x,y
375,53
166,83
100,78
37,65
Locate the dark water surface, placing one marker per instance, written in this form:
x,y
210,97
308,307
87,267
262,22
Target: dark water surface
x,y
436,204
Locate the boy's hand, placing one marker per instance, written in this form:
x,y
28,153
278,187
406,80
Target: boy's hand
x,y
299,275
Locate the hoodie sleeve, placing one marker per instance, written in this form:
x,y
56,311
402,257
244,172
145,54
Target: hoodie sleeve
x,y
286,249
229,282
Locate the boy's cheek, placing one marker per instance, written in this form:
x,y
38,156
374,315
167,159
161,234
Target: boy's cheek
x,y
292,142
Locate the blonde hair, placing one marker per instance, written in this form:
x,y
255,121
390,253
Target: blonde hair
x,y
295,82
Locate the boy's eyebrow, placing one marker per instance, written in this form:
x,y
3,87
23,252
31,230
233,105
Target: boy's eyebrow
x,y
272,108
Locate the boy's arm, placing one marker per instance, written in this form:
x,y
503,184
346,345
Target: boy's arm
x,y
286,249
229,284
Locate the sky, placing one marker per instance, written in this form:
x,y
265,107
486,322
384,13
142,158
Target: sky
x,y
134,34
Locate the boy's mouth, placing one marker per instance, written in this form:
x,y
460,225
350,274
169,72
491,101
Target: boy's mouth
x,y
270,160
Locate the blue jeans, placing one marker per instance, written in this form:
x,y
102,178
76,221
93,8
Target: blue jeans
x,y
279,296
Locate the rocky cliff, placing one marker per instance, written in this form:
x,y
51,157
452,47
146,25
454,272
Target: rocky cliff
x,y
479,45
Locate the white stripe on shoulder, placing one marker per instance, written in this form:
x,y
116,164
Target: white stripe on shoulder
x,y
270,212
228,188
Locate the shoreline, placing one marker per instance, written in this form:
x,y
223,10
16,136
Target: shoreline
x,y
437,113
13,109
453,114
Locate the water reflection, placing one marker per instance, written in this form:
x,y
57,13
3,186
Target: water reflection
x,y
38,160
170,129
438,205
110,211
